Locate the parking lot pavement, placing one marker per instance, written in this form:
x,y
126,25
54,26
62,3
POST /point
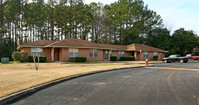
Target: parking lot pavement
x,y
189,65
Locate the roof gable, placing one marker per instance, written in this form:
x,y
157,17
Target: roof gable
x,y
143,47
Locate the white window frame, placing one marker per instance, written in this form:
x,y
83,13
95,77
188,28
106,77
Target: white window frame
x,y
73,52
146,54
121,53
155,54
106,54
93,53
36,51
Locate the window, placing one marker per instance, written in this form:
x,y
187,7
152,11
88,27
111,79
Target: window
x,y
155,54
36,51
146,54
106,54
110,53
73,52
93,53
121,53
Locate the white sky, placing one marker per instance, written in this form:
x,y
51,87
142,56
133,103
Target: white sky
x,y
102,1
175,13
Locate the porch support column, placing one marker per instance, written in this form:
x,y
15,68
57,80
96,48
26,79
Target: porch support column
x,y
52,54
109,55
135,55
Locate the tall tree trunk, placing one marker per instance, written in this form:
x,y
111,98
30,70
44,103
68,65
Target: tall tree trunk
x,y
1,19
33,34
52,29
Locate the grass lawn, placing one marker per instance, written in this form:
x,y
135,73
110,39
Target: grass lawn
x,y
18,76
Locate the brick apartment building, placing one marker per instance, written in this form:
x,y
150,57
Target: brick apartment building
x,y
64,49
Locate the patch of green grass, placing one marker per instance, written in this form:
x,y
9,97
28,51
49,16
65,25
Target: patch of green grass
x,y
18,62
11,62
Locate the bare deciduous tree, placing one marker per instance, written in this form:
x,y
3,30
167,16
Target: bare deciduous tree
x,y
36,62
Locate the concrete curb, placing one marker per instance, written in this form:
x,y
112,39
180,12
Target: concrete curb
x,y
22,93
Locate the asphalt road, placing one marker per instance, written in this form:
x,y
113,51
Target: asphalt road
x,y
137,86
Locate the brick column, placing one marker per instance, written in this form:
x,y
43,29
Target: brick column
x,y
135,55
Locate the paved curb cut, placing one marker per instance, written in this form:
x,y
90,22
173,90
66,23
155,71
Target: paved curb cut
x,y
22,93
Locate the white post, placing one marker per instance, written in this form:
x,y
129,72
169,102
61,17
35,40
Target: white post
x,y
52,54
109,53
135,55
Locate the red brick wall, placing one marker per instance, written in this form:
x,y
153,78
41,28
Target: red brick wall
x,y
26,49
104,54
142,58
160,56
85,53
116,53
150,56
64,54
47,53
138,56
128,53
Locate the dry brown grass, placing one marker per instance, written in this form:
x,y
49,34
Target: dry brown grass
x,y
18,76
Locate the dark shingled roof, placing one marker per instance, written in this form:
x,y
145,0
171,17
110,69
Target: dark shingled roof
x,y
83,43
75,43
39,43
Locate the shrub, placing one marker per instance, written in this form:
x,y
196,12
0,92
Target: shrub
x,y
16,56
80,59
127,58
113,58
24,57
155,57
20,56
41,59
77,59
30,58
72,59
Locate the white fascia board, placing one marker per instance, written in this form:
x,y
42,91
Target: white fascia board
x,y
149,50
32,46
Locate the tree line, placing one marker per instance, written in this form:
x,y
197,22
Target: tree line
x,y
122,22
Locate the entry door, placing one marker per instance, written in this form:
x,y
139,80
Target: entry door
x,y
56,54
105,55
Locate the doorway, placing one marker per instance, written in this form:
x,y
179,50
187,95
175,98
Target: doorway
x,y
56,54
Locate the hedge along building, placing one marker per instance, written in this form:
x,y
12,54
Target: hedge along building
x,y
64,49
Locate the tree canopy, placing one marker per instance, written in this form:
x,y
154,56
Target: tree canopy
x,y
122,22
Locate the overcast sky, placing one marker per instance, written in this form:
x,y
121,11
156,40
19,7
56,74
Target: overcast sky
x,y
175,13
